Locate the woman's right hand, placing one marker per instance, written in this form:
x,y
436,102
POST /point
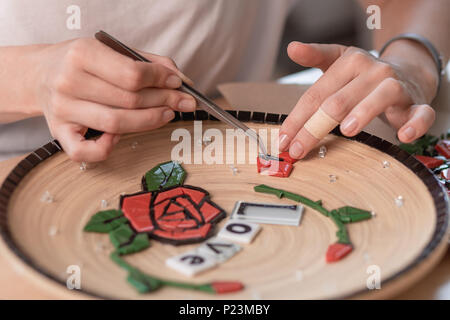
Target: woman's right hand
x,y
84,84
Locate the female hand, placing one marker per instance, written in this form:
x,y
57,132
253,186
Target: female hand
x,y
84,84
356,87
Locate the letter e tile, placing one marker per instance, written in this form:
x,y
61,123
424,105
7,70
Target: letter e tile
x,y
191,263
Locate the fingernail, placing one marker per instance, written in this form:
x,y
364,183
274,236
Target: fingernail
x,y
283,142
296,150
349,125
187,105
409,133
173,82
168,115
116,139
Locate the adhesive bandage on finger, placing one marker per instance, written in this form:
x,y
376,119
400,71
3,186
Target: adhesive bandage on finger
x,y
320,124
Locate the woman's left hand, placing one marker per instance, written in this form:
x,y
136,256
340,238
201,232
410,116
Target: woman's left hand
x,y
355,88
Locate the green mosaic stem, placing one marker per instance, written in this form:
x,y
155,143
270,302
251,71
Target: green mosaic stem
x,y
341,234
156,282
183,285
316,205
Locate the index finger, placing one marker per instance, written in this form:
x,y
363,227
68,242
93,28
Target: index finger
x,y
121,71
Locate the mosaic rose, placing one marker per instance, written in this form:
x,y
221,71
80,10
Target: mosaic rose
x,y
181,214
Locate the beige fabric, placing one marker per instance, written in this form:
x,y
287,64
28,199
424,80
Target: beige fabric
x,y
212,41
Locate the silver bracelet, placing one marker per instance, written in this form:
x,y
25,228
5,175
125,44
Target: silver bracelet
x,y
424,42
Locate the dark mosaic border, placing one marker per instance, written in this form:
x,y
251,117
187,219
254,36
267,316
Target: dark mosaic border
x,y
433,185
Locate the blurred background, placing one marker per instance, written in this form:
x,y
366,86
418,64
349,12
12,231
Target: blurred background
x,y
325,21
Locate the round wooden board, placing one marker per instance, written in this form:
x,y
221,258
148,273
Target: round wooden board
x,y
283,262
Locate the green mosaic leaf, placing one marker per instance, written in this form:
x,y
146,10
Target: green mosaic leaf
x,y
126,241
105,221
422,146
139,243
163,176
141,281
351,214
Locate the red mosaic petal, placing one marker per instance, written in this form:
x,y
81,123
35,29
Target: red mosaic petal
x,y
175,216
190,207
186,234
172,193
176,224
196,195
337,251
174,208
285,156
136,209
430,162
142,223
209,211
159,208
443,148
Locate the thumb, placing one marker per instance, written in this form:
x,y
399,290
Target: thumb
x,y
315,55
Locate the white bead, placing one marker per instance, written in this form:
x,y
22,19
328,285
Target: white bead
x,y
47,197
322,151
104,204
399,201
234,170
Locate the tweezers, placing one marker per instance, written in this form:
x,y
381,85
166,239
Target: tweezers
x,y
204,102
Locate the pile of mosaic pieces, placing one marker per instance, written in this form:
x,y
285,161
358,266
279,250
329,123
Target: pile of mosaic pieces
x,y
434,153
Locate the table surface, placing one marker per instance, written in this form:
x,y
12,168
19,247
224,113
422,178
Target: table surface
x,y
436,285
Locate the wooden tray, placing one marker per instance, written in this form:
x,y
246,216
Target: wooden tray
x,y
282,263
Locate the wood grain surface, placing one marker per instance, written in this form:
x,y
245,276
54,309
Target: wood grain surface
x,y
270,266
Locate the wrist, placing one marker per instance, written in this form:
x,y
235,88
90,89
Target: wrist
x,y
19,84
36,79
418,64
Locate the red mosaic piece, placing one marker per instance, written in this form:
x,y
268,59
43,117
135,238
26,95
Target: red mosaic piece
x,y
430,162
209,211
171,193
337,251
183,235
174,208
195,195
136,209
286,157
274,167
226,286
443,148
